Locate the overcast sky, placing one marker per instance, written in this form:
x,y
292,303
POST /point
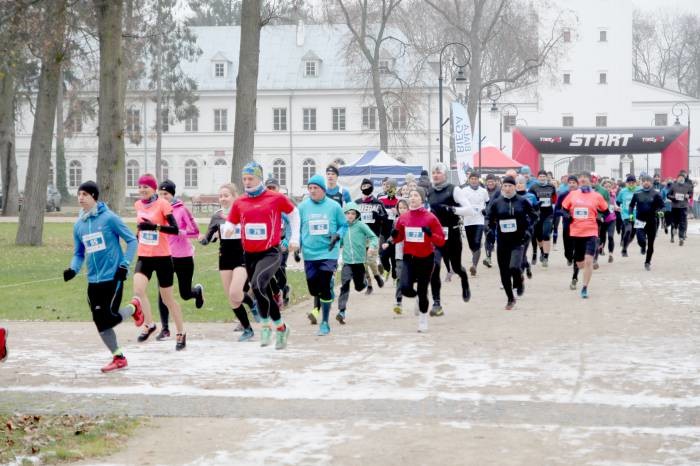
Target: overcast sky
x,y
687,5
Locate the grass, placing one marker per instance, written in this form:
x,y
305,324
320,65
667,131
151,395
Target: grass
x,y
32,286
61,438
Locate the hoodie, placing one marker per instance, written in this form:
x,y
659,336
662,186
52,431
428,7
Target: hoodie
x,y
354,242
320,220
180,245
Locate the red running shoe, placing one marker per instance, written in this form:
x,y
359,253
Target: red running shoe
x,y
3,344
118,363
138,313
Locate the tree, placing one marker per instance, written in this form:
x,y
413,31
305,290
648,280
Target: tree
x,y
215,13
51,51
110,155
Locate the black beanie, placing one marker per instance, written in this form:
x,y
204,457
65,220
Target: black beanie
x,y
91,188
508,180
168,186
333,169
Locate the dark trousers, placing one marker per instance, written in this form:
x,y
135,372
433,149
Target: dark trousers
x,y
679,217
646,237
350,273
387,259
417,270
489,241
606,233
627,234
452,252
184,270
474,234
568,242
510,258
261,268
104,299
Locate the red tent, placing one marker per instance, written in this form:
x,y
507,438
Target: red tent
x,y
494,160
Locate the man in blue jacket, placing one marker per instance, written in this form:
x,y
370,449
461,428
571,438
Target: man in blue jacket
x,y
96,236
322,225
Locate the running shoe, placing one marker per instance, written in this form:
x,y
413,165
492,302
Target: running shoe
x,y
199,296
181,341
423,323
387,274
282,337
510,305
397,309
117,363
680,242
528,271
642,251
3,344
574,282
323,329
595,265
520,290
624,254
466,294
143,336
138,312
265,335
437,311
369,290
380,281
340,317
164,334
314,315
472,270
647,266
584,292
569,263
610,258
448,277
487,262
247,334
544,262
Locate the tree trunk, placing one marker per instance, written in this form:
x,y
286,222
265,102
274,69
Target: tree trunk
x,y
8,162
60,172
246,87
31,219
381,108
110,155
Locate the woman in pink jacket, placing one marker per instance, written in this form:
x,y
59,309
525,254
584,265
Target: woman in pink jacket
x,y
182,252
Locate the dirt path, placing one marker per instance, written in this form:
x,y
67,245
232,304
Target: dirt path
x,y
611,380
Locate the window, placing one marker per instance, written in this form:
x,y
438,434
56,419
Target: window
x,y
339,162
192,124
567,78
132,173
308,170
164,120
384,66
75,122
220,119
398,117
338,120
508,122
190,174
309,119
219,70
567,121
133,120
566,35
310,69
603,36
601,120
279,171
75,174
661,119
369,117
602,78
220,163
164,169
279,119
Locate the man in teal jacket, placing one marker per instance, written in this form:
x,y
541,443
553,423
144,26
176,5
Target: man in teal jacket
x,y
322,226
624,197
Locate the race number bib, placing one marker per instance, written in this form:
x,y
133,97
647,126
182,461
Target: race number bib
x,y
149,237
391,214
546,202
256,231
679,196
580,213
367,217
414,235
94,242
509,225
611,208
318,227
446,232
639,224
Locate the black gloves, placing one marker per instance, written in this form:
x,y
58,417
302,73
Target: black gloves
x,y
121,273
297,257
145,226
68,274
334,239
428,232
394,233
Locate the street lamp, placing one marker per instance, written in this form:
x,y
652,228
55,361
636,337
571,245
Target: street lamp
x,y
500,126
493,93
459,78
678,111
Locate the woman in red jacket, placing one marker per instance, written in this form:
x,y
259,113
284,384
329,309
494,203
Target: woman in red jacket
x,y
421,232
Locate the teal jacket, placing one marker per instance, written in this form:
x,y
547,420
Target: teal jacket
x,y
355,242
624,197
319,221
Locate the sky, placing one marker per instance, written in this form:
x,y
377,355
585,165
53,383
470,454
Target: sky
x,y
685,5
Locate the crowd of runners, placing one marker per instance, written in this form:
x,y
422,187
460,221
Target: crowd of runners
x,y
405,235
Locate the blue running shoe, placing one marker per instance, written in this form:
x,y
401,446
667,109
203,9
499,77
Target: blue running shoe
x,y
256,313
323,329
584,292
247,334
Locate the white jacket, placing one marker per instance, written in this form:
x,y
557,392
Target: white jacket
x,y
477,198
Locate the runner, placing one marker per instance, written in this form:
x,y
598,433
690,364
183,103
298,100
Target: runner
x,y
584,205
607,226
420,231
154,215
402,208
493,190
572,183
680,193
510,215
561,189
531,198
281,289
668,209
478,197
231,260
333,190
601,218
646,206
96,236
322,226
354,244
389,200
3,344
259,213
373,213
183,255
546,195
448,202
624,197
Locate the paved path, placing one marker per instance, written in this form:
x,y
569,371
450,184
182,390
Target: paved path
x,y
559,380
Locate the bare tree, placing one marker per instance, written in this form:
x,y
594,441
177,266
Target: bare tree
x,y
51,50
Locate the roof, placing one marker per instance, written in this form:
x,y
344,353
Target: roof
x,y
492,157
376,157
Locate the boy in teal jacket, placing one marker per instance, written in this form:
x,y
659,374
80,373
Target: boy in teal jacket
x,y
354,244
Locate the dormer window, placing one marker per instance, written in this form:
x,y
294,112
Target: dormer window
x,y
219,66
310,68
384,66
219,70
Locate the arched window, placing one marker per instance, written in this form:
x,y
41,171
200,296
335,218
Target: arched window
x,y
279,171
75,174
191,174
220,163
164,170
308,170
132,174
339,162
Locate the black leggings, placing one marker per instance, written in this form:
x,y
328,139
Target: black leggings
x,y
452,252
184,269
606,233
646,237
280,281
568,242
627,234
474,234
104,299
261,268
417,270
510,258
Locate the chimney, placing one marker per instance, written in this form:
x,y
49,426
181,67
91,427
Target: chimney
x,y
300,33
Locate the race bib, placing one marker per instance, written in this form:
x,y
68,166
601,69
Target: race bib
x,y
611,208
546,202
639,224
256,231
446,232
94,242
509,225
414,235
367,217
679,196
391,214
581,213
149,237
318,227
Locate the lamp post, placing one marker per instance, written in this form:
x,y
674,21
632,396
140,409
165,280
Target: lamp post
x,y
459,78
678,111
493,93
500,125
